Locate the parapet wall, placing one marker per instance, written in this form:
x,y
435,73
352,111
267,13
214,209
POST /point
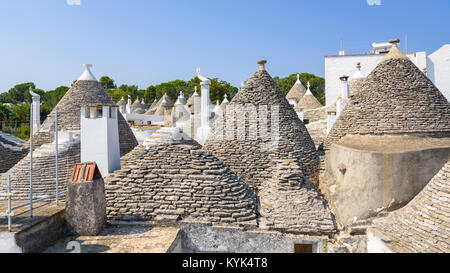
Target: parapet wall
x,y
364,179
202,237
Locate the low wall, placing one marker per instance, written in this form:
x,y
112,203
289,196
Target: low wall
x,y
203,237
380,175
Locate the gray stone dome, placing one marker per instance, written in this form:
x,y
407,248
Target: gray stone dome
x,y
396,98
178,181
247,157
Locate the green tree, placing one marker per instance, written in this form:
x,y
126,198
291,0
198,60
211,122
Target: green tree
x,y
16,94
52,97
107,83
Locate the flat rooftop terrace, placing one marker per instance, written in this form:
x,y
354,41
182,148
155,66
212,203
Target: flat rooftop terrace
x,y
120,239
22,220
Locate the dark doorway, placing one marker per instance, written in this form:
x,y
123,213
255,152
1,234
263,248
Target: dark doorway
x,y
303,248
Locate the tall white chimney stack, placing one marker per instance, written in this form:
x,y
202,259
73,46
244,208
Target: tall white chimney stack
x,y
36,110
100,137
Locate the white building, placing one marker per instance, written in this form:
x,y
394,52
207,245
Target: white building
x,y
437,66
438,69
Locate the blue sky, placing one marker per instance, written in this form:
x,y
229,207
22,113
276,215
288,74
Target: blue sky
x,y
146,42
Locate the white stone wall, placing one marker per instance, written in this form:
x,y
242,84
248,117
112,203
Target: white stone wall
x,y
337,66
438,69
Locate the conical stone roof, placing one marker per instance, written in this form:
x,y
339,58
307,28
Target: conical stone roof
x,y
136,105
122,102
251,152
154,104
297,91
82,93
178,181
356,80
423,225
165,101
396,98
308,101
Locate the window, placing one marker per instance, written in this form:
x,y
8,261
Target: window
x,y
99,112
303,248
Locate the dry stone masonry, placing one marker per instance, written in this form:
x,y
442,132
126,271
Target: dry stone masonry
x,y
424,224
396,98
10,153
291,204
245,156
168,182
82,93
44,170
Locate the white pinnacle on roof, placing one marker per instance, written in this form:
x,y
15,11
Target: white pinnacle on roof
x,y
298,79
308,92
195,91
358,74
87,74
225,100
217,107
122,101
180,97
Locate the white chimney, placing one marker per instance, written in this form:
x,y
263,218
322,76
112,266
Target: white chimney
x,y
203,131
129,105
345,95
100,137
36,110
331,119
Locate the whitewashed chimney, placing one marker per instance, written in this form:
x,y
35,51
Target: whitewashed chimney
x,y
331,119
129,105
36,110
181,113
122,106
345,95
299,112
100,137
203,131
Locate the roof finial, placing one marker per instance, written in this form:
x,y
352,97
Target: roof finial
x,y
298,79
308,92
261,65
358,66
394,42
87,74
195,91
225,98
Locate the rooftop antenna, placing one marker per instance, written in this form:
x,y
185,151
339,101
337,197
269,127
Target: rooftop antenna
x,y
342,52
406,43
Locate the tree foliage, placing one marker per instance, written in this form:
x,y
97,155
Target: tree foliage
x,y
15,103
317,84
107,83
